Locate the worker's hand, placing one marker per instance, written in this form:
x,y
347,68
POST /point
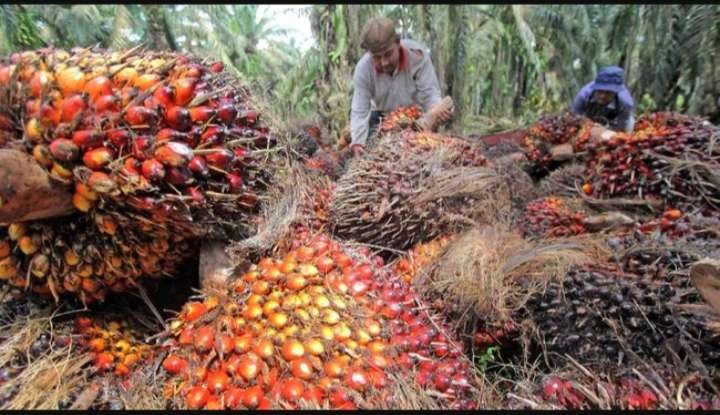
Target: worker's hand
x,y
357,149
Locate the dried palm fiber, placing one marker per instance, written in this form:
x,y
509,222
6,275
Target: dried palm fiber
x,y
563,181
478,278
648,385
669,158
164,143
410,188
295,199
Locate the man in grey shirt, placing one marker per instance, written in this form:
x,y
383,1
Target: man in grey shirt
x,y
392,73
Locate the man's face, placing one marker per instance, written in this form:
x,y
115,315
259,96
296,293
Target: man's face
x,y
388,59
604,97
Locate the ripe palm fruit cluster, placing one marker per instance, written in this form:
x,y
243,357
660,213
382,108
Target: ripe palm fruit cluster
x,y
401,119
551,216
323,326
86,256
623,388
113,345
668,157
162,136
407,267
158,148
600,315
554,130
374,201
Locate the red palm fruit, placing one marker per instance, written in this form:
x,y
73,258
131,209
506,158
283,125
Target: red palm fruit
x,y
174,364
153,170
142,147
219,157
252,397
240,154
292,389
196,195
165,94
178,118
101,183
118,137
213,135
168,134
233,397
88,139
42,155
217,381
125,76
32,107
71,107
174,154
197,397
49,114
98,158
139,115
184,90
201,114
179,176
217,67
204,338
105,103
38,83
194,135
97,87
5,74
193,71
227,113
235,181
63,149
249,116
199,167
146,81
70,80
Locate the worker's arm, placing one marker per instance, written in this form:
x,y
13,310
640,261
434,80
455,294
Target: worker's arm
x,y
625,120
580,101
360,109
427,83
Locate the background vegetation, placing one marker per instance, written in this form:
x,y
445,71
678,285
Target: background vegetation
x,y
503,64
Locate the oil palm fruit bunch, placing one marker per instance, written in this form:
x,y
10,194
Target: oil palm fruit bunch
x,y
114,344
668,157
554,130
600,316
164,138
86,256
323,326
651,386
552,216
400,119
374,201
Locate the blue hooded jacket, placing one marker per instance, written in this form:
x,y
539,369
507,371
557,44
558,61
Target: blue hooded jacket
x,y
618,113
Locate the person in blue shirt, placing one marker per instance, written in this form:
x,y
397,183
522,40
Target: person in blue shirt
x,y
607,100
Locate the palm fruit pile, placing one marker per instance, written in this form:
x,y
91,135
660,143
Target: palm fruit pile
x,y
600,316
87,256
400,119
163,143
324,326
113,344
668,157
552,216
408,266
373,201
622,388
554,130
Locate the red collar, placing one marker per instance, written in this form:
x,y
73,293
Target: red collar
x,y
402,65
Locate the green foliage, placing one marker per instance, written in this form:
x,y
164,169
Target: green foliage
x,y
482,361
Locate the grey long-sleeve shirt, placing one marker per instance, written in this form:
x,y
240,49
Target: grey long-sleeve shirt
x,y
414,82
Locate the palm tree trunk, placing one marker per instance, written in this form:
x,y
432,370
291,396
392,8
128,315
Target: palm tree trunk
x,y
455,75
158,29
